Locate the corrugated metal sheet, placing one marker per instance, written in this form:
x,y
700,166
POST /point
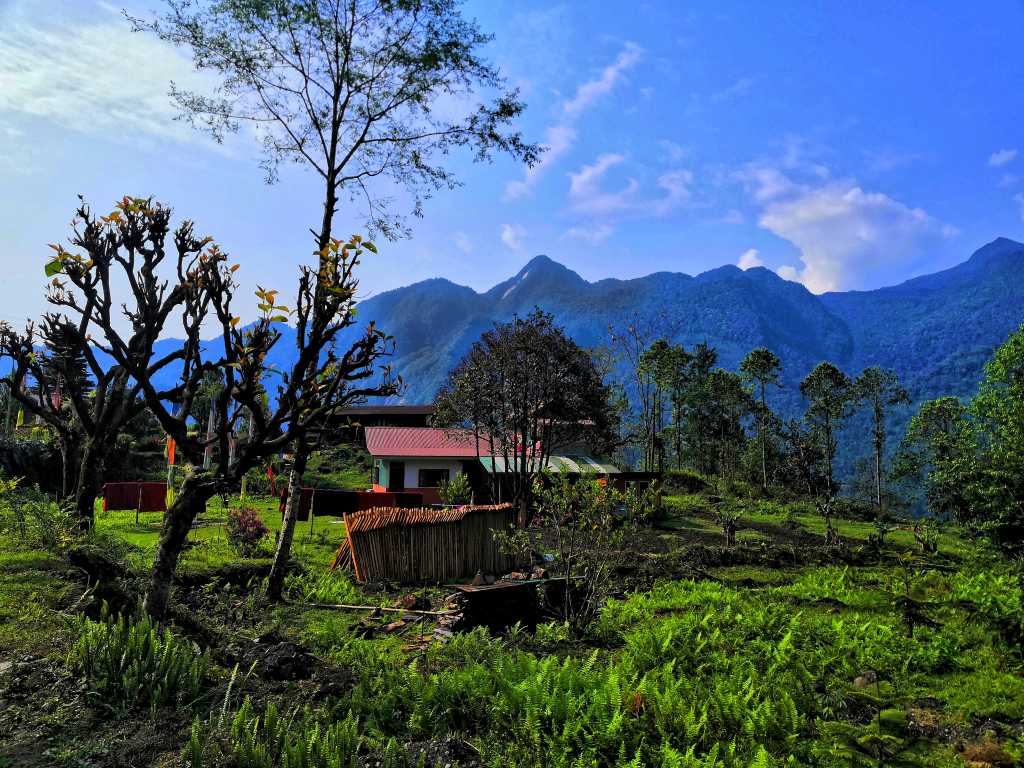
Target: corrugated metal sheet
x,y
576,464
425,442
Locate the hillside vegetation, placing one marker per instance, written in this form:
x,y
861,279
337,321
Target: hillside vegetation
x,y
775,651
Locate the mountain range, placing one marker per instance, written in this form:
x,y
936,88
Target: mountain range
x,y
936,330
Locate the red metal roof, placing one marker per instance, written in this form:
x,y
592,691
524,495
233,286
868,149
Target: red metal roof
x,y
429,442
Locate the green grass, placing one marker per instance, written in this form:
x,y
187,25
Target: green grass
x,y
739,668
209,549
34,590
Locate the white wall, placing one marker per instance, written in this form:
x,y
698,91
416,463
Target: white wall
x,y
413,467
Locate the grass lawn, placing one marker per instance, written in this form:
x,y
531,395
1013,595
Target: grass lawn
x,y
314,544
762,659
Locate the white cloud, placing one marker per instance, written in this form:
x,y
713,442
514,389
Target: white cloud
x,y
676,185
462,242
560,137
592,90
847,236
1019,200
558,140
674,153
787,272
1008,180
92,74
587,195
886,160
594,235
739,88
750,258
764,182
512,236
733,216
1002,157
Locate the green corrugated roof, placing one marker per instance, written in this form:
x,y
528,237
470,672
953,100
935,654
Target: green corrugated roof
x,y
576,464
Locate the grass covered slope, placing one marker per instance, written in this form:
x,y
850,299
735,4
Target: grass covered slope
x,y
765,654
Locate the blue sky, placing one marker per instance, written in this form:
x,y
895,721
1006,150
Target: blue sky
x,y
845,145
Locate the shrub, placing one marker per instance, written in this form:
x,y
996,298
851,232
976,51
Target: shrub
x,y
645,506
685,481
275,740
456,491
35,518
246,530
131,664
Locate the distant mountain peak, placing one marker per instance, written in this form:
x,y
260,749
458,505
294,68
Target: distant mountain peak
x,y
540,274
998,248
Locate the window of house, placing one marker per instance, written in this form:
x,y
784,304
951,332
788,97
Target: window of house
x,y
432,478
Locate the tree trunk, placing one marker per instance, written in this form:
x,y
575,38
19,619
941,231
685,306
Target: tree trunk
x,y
275,582
879,448
89,485
70,459
878,477
523,510
764,459
191,501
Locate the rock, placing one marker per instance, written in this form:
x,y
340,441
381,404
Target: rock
x,y
281,661
413,602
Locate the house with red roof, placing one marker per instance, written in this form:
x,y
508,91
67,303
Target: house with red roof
x,y
419,459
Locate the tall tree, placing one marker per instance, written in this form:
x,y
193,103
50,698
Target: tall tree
x,y
526,390
998,412
762,367
349,88
938,449
828,391
879,390
696,412
728,403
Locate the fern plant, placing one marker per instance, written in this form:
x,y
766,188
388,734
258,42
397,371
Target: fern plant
x,y
131,664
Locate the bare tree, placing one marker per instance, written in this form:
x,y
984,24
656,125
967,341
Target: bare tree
x,y
131,246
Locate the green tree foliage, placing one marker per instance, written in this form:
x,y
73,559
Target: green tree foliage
x,y
349,89
828,392
879,390
728,404
526,390
937,451
761,367
998,412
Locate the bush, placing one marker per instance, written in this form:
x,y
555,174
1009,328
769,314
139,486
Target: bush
x,y
33,517
246,530
456,491
645,506
288,740
131,664
854,509
685,481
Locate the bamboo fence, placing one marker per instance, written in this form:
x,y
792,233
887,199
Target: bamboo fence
x,y
425,545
